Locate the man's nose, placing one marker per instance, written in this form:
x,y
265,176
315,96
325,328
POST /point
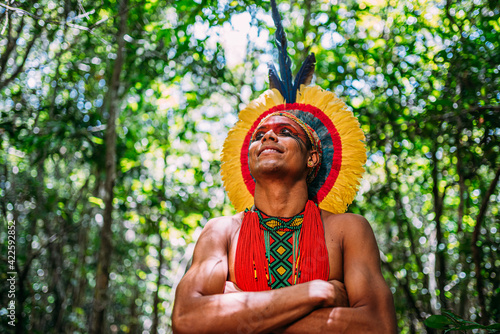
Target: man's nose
x,y
270,135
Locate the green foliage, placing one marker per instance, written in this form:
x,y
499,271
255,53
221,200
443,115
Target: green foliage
x,y
451,322
421,76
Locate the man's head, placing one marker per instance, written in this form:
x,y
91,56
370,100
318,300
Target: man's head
x,y
339,142
283,143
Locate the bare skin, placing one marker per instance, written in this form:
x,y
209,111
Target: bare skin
x,y
356,299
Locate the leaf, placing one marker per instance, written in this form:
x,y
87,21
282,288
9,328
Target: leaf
x,y
127,164
97,140
97,201
457,319
438,321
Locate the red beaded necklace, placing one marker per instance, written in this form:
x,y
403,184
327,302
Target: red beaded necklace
x,y
251,265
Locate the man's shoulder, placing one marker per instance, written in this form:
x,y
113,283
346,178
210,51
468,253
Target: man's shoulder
x,y
347,223
352,231
224,224
344,219
225,220
219,230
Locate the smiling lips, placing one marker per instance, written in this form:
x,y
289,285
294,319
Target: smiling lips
x,y
269,150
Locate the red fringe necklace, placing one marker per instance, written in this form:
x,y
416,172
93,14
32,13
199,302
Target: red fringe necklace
x,y
251,265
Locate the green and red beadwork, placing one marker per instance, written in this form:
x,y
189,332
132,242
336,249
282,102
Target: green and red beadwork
x,y
281,240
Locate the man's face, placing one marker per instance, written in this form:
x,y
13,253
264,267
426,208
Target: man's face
x,y
278,145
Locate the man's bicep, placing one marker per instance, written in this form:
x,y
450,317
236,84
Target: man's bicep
x,y
208,272
363,279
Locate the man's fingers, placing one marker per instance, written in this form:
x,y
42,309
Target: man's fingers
x,y
340,298
336,283
230,287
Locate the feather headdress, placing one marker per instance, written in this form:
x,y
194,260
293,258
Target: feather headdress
x,y
343,150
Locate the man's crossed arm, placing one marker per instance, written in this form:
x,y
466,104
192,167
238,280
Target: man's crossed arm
x,y
371,307
201,306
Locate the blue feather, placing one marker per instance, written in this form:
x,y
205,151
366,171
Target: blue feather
x,y
305,74
284,60
274,79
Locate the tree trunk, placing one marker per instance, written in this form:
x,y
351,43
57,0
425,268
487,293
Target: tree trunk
x,y
134,322
476,250
438,210
105,250
154,327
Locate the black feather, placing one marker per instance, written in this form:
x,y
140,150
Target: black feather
x,y
274,79
306,72
284,60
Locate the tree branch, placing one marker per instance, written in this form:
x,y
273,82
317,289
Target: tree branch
x,y
21,66
11,43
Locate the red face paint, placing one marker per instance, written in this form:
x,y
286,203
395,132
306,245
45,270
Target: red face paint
x,y
282,127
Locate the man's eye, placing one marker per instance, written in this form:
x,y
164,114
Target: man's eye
x,y
258,136
286,132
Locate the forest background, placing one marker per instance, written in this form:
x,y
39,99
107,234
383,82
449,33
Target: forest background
x,y
113,114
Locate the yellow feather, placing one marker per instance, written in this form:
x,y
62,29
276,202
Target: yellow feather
x,y
353,149
230,157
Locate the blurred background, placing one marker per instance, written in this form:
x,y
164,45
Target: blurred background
x,y
113,114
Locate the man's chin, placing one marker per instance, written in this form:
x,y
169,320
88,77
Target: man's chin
x,y
270,166
272,171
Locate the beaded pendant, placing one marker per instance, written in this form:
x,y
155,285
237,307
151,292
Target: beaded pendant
x,y
281,240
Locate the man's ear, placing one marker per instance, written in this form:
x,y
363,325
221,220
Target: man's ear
x,y
313,158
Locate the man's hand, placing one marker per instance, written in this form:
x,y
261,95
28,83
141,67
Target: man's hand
x,y
230,287
327,294
340,298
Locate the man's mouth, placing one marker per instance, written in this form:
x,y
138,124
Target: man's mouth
x,y
270,151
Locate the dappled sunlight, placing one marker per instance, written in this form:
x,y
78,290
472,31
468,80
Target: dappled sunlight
x,y
111,138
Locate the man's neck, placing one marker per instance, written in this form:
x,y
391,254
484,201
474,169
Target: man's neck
x,y
278,199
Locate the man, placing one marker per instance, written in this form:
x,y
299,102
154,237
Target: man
x,y
293,262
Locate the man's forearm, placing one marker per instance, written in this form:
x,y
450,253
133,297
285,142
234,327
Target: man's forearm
x,y
255,312
341,320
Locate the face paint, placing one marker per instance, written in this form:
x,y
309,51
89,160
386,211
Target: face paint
x,y
305,136
283,128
